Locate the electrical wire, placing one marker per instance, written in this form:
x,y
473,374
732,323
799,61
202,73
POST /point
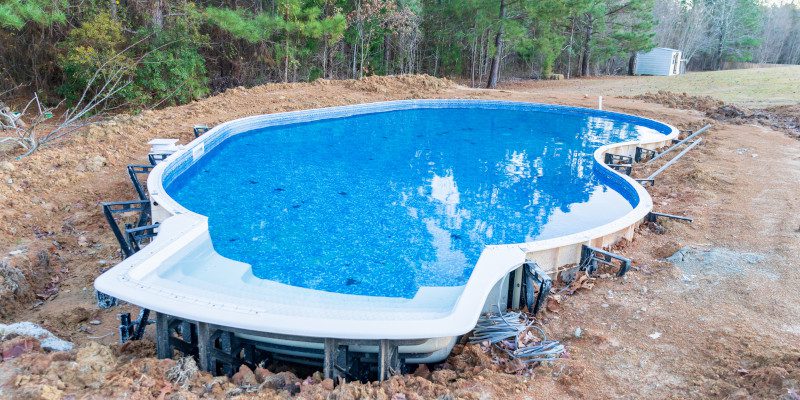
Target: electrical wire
x,y
499,327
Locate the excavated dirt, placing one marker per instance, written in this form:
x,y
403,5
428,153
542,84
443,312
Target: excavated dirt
x,y
783,118
697,330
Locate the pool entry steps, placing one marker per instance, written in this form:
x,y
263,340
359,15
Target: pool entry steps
x,y
382,335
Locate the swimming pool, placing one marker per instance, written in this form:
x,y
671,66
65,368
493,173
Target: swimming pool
x,y
394,220
340,204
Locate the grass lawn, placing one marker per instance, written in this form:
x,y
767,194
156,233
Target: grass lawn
x,y
758,87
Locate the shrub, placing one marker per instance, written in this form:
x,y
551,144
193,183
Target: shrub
x,y
172,70
91,55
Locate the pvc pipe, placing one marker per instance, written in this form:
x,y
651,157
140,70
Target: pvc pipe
x,y
672,161
600,103
676,145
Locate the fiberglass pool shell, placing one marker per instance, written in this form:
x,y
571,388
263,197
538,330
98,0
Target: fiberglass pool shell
x,y
389,220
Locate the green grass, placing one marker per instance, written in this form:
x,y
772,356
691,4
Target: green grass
x,y
758,87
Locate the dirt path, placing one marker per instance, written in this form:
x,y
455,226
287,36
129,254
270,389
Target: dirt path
x,y
722,321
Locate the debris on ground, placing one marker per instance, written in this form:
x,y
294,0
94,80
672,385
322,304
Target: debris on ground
x,y
783,118
184,370
46,339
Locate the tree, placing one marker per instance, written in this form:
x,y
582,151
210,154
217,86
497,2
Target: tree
x,y
494,70
734,27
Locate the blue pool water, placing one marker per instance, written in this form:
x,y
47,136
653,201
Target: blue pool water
x,y
384,203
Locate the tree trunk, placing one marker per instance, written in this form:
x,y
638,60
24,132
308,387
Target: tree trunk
x,y
587,46
720,48
355,62
112,5
632,64
571,48
386,54
158,14
325,58
286,59
494,70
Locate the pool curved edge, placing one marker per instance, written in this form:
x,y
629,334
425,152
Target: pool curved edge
x,y
154,277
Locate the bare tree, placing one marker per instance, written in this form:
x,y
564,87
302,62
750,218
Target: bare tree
x,y
780,34
34,126
682,25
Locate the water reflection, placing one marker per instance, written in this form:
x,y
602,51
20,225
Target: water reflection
x,y
383,204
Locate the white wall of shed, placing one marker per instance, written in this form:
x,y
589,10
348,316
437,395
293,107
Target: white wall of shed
x,y
657,62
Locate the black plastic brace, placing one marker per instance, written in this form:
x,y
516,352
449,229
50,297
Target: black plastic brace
x,y
617,159
644,154
118,207
646,182
592,256
199,130
155,158
619,163
133,172
537,286
626,169
105,301
137,235
341,363
133,330
653,216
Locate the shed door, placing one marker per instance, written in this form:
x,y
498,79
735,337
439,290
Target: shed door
x,y
676,63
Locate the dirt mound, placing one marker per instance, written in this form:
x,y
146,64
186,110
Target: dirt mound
x,y
782,118
681,100
27,275
386,84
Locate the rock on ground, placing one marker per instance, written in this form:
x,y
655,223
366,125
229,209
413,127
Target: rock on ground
x,y
47,340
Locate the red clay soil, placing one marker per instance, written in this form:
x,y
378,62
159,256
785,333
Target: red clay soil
x,y
721,328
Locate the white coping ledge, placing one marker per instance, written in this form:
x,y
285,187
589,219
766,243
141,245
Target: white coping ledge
x,y
180,274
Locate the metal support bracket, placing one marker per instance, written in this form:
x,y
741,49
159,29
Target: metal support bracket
x,y
133,330
222,350
653,217
537,286
592,256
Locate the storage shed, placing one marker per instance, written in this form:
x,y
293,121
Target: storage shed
x,y
659,61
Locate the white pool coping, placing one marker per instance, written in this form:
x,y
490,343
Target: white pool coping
x,y
181,275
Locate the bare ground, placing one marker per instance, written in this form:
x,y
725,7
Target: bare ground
x,y
721,322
